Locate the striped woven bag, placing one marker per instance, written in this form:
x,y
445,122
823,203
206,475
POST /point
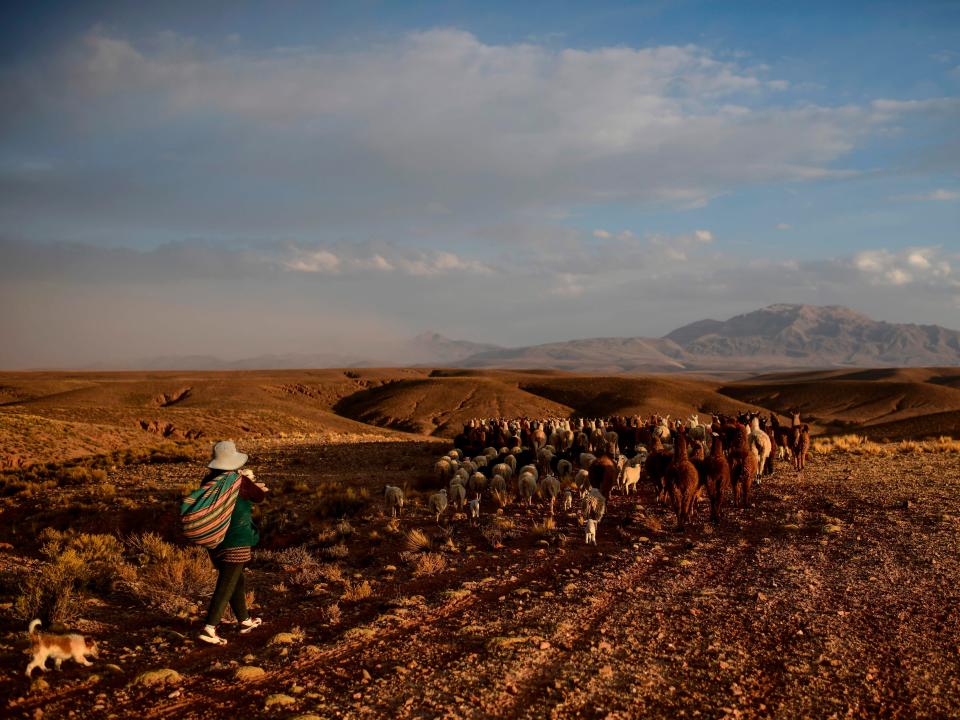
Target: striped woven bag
x,y
205,513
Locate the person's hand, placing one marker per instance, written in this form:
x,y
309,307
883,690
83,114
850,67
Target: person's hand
x,y
262,486
247,473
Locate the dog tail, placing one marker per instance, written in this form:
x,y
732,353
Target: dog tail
x,y
32,628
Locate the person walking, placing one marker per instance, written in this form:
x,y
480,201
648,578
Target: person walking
x,y
235,551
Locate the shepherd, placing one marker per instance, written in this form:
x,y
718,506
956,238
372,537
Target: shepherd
x,y
206,521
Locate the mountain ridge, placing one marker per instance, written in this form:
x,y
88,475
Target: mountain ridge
x,y
781,336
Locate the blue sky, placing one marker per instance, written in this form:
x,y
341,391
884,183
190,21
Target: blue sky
x,y
344,175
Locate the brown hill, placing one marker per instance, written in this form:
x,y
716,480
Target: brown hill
x,y
441,405
863,400
51,416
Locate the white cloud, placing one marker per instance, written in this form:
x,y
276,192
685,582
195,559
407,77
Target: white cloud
x,y
435,124
924,265
938,195
783,226
351,259
602,234
316,261
704,236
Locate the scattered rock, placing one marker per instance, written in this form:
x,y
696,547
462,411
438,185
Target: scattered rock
x,y
279,699
163,676
249,672
39,685
285,638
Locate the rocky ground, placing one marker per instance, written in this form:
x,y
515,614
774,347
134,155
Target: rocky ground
x,y
835,595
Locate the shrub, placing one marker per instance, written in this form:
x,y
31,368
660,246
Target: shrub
x,y
336,552
54,592
429,563
169,578
544,529
331,614
354,592
417,541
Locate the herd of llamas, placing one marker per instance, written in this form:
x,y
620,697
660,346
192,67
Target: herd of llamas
x,y
556,460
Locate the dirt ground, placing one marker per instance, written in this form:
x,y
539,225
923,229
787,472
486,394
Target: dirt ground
x,y
835,595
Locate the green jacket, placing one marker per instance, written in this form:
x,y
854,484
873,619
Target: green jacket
x,y
242,532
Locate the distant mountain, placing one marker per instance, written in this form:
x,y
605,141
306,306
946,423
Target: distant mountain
x,y
817,336
608,355
432,348
776,337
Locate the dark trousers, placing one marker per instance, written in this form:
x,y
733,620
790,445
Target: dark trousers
x,y
230,588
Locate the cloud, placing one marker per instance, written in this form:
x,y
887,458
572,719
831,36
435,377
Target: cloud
x,y
928,266
602,234
202,139
315,261
938,195
783,226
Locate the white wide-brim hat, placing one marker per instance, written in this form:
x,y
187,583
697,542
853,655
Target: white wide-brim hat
x,y
226,457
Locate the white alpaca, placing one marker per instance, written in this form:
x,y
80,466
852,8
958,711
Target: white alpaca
x,y
591,537
760,446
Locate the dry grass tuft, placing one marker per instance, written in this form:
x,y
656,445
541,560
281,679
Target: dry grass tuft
x,y
170,578
429,564
544,529
77,564
861,445
355,592
417,541
336,552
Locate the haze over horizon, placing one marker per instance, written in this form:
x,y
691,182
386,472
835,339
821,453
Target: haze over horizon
x,y
296,178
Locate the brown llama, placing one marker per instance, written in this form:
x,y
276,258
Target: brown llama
x,y
682,481
800,446
715,477
743,468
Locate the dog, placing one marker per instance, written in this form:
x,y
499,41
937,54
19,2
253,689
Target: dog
x,y
474,508
59,647
591,538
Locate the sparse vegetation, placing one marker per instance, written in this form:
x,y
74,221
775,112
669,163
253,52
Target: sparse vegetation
x,y
862,445
429,564
76,564
355,592
170,578
417,541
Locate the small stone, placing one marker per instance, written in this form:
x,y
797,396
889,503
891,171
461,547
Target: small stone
x,y
544,645
366,675
163,676
249,672
279,699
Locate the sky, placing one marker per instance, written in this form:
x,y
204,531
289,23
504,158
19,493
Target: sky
x,y
238,179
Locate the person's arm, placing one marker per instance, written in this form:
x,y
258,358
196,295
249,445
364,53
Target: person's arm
x,y
249,490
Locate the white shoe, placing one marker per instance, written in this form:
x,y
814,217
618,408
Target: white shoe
x,y
250,624
211,637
